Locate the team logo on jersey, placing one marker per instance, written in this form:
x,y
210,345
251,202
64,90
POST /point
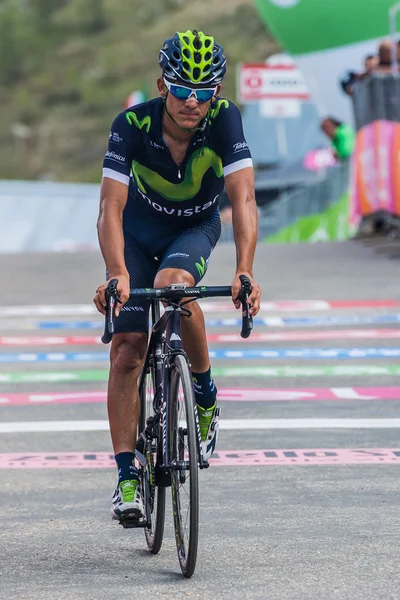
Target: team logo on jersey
x,y
115,137
239,146
111,155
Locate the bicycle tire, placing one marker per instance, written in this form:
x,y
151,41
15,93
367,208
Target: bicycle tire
x,y
154,534
187,552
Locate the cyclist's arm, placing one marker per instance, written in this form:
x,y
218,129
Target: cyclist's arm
x,y
113,198
239,184
240,190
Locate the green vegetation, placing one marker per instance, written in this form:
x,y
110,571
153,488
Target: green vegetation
x,y
67,66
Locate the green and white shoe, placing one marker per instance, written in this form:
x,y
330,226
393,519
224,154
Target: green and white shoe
x,y
127,501
209,428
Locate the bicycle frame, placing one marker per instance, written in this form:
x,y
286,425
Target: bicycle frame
x,y
166,335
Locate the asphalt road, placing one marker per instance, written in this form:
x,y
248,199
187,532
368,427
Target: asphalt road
x,y
289,531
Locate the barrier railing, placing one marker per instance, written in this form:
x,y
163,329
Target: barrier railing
x,y
376,167
301,202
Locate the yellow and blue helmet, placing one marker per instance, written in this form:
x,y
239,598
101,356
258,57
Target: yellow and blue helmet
x,y
193,57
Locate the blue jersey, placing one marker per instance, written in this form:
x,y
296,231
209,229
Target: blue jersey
x,y
162,194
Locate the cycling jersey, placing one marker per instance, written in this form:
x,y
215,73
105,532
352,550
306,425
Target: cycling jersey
x,y
161,193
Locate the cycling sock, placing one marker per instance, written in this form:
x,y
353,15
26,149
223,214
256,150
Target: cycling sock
x,y
126,467
204,389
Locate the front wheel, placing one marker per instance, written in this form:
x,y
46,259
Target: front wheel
x,y
153,495
184,464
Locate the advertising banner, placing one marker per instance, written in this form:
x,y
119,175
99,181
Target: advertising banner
x,y
376,171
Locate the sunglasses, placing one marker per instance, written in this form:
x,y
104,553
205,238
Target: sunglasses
x,y
184,93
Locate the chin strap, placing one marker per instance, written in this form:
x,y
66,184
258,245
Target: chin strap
x,y
202,127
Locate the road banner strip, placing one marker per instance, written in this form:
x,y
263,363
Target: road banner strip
x,y
264,372
225,424
287,353
208,306
324,321
224,395
221,458
285,336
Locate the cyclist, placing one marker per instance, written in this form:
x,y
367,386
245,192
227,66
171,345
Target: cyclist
x,y
164,170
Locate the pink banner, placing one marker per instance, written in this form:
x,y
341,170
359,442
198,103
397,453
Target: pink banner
x,y
224,395
228,458
376,170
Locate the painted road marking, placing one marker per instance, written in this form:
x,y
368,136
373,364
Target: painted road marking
x,y
224,395
313,371
306,353
324,321
285,336
228,458
208,306
226,424
302,336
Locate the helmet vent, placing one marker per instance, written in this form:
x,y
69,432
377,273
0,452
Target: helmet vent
x,y
174,64
197,43
208,56
197,58
176,55
186,66
186,40
196,73
207,43
216,60
187,53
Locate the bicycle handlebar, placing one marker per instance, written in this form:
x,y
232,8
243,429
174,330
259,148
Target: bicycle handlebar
x,y
175,293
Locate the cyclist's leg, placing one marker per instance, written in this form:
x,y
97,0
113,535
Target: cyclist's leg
x,y
185,261
128,350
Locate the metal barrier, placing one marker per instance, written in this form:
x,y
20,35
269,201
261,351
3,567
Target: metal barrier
x,y
301,202
377,98
376,176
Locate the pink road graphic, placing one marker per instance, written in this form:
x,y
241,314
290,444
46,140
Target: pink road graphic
x,y
285,336
229,458
224,395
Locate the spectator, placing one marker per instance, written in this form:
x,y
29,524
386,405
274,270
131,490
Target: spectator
x,y
342,136
385,56
348,82
370,63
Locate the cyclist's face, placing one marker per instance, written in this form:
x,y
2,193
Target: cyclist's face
x,y
187,113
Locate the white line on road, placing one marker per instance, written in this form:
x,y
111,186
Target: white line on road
x,y
227,424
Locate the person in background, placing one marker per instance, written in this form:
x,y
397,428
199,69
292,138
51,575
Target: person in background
x,y
385,57
342,136
348,81
370,63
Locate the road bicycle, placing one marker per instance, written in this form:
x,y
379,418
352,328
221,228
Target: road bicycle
x,y
168,450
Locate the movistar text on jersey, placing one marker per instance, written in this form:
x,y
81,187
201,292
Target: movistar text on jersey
x,y
179,212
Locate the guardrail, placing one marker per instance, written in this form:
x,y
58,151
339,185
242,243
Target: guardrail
x,y
300,202
376,176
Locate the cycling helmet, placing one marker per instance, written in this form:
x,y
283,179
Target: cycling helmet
x,y
193,57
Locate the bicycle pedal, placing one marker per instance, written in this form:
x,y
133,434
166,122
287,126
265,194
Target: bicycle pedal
x,y
132,523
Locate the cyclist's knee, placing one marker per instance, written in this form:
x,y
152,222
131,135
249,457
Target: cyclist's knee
x,y
128,351
167,276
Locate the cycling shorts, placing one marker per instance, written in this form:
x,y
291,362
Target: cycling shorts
x,y
189,249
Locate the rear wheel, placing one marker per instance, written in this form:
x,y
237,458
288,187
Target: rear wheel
x,y
184,467
153,496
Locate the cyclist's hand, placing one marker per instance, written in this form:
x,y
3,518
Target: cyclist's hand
x,y
255,296
123,291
